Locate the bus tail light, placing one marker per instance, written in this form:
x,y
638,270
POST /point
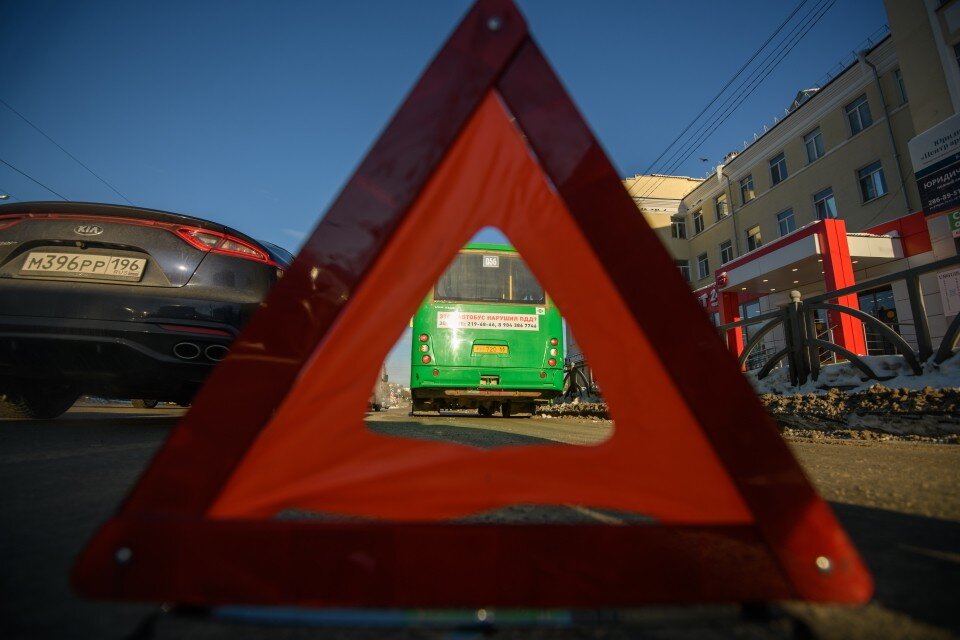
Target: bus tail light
x,y
424,337
425,359
552,362
554,342
424,348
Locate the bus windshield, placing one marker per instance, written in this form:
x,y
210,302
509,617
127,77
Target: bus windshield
x,y
488,277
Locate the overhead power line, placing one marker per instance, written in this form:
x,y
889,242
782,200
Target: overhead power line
x,y
753,81
28,177
718,107
740,93
72,157
726,86
746,87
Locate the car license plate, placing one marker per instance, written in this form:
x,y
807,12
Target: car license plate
x,y
491,348
83,265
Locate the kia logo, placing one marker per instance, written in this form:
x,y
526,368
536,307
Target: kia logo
x,y
88,230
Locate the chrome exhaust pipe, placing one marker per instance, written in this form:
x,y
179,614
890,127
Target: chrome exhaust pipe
x,y
216,352
186,350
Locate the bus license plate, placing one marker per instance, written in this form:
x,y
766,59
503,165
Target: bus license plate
x,y
491,348
83,265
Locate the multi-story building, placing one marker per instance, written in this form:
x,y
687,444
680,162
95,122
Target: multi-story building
x,y
826,197
665,213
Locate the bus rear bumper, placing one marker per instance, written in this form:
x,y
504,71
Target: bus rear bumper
x,y
438,377
483,399
491,393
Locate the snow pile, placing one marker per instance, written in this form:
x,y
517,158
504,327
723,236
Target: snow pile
x,y
842,405
846,376
576,408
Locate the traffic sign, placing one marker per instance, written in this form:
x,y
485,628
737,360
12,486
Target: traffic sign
x,y
488,137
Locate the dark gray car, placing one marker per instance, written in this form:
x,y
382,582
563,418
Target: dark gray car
x,y
119,302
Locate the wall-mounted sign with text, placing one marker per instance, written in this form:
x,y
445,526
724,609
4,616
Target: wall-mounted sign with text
x,y
954,221
935,155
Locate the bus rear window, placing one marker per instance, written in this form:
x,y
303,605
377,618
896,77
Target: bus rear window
x,y
488,277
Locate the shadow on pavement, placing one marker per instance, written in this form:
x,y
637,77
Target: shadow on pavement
x,y
915,561
485,436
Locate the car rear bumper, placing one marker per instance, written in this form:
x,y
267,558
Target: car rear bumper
x,y
111,358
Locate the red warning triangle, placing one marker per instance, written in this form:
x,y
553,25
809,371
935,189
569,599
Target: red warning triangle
x,y
487,137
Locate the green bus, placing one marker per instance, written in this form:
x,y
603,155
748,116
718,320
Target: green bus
x,y
487,337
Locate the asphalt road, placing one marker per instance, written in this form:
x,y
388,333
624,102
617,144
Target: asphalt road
x,y
59,479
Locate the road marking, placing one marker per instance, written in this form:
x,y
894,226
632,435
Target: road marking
x,y
596,515
933,553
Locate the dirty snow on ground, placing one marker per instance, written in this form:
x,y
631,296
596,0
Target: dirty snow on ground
x,y
841,404
846,376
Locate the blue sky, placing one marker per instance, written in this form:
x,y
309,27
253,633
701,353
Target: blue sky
x,y
255,114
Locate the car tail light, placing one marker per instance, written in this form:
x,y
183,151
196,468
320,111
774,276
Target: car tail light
x,y
9,221
425,359
216,242
424,337
552,362
203,239
554,342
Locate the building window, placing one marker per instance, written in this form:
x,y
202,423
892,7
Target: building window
x,y
678,227
721,203
824,205
858,114
778,169
703,266
753,238
697,222
813,141
726,252
901,88
684,267
872,183
746,190
786,222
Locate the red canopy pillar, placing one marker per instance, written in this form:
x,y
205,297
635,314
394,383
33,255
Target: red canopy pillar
x,y
838,274
730,312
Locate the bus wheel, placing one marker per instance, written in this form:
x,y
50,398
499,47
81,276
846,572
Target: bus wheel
x,y
505,409
484,411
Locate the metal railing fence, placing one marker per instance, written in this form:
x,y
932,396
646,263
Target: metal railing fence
x,y
805,346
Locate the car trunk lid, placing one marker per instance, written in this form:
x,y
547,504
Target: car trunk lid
x,y
105,244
